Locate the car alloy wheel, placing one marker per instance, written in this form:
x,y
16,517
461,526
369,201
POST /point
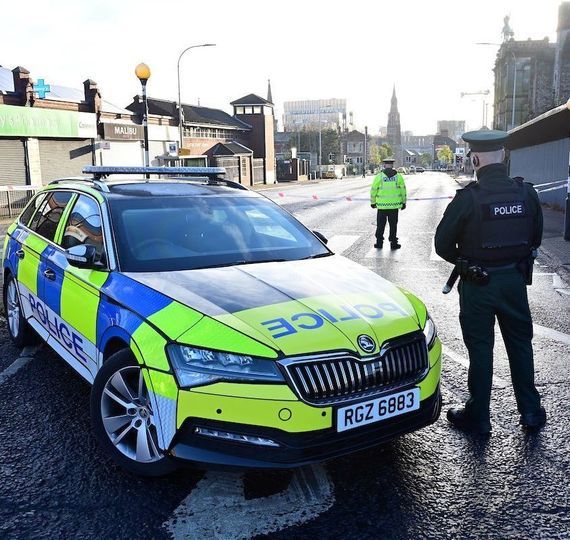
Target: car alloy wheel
x,y
13,311
128,417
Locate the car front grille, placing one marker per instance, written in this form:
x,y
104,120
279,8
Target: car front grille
x,y
343,377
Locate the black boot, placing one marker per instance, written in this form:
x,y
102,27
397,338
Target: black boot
x,y
460,419
395,245
533,421
378,245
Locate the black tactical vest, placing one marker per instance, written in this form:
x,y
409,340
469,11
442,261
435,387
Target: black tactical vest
x,y
499,230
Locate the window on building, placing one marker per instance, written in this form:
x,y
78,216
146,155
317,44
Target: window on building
x,y
248,110
239,110
257,110
243,166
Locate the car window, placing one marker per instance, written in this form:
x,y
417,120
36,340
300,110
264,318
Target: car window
x,y
31,208
183,233
84,225
46,219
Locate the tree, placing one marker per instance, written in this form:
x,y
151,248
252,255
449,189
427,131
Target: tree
x,y
445,154
425,159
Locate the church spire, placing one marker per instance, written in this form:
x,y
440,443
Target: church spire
x,y
269,96
394,103
394,130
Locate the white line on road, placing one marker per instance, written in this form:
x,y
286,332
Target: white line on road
x,y
217,507
456,357
341,242
26,355
552,334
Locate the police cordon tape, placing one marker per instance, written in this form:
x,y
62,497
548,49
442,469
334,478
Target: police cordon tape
x,y
350,198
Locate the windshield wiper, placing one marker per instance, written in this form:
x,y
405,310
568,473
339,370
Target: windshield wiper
x,y
237,263
318,256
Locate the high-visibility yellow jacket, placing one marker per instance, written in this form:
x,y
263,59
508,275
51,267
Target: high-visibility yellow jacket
x,y
388,193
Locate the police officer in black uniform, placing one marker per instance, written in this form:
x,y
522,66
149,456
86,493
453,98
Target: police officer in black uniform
x,y
490,231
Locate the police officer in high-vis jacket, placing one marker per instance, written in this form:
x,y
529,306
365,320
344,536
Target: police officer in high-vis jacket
x,y
388,195
490,231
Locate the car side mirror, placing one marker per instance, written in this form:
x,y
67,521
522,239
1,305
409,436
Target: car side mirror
x,y
81,256
321,237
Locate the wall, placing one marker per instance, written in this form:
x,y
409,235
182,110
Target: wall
x,y
543,163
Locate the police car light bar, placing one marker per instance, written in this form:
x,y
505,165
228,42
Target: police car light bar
x,y
210,172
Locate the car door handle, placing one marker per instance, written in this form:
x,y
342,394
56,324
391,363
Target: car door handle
x,y
49,274
20,254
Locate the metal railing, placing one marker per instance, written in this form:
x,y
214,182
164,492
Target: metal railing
x,y
13,199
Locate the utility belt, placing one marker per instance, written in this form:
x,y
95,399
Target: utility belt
x,y
481,275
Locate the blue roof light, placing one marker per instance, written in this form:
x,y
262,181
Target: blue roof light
x,y
166,171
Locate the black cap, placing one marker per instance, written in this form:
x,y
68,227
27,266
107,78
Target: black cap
x,y
388,160
485,140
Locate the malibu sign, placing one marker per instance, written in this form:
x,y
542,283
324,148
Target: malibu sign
x,y
122,132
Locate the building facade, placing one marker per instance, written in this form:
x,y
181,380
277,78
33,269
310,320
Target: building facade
x,y
532,76
453,128
46,131
312,113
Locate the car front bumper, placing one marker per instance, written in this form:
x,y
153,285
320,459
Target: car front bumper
x,y
295,449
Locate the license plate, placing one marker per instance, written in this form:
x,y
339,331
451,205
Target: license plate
x,y
378,409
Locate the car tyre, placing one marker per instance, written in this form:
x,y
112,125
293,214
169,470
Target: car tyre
x,y
123,418
19,330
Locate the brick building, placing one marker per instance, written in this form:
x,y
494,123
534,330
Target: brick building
x,y
532,76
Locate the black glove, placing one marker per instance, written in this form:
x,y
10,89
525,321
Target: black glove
x,y
372,206
404,206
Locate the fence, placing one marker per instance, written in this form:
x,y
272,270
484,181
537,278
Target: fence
x,y
13,199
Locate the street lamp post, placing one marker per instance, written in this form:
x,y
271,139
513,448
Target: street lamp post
x,y
320,146
142,71
180,130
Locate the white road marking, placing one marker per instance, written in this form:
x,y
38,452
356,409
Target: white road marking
x,y
341,242
26,355
217,508
461,360
552,334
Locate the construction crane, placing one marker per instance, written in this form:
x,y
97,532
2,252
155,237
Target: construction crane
x,y
480,93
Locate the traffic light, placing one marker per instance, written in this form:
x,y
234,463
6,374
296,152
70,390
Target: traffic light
x,y
331,157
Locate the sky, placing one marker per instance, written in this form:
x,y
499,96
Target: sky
x,y
310,50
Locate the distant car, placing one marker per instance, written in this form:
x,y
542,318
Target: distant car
x,y
402,170
420,169
213,326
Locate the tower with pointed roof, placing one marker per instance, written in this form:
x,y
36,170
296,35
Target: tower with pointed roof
x,y
394,131
269,96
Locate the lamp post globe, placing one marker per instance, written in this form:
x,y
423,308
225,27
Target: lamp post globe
x,y
142,71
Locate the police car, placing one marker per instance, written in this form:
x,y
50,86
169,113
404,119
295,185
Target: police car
x,y
212,325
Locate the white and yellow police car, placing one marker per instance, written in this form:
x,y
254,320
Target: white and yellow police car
x,y
212,325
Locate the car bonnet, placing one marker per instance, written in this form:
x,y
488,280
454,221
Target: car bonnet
x,y
296,307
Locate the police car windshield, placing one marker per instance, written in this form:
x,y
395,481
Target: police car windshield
x,y
161,234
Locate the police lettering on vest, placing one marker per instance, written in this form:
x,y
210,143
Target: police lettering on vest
x,y
506,210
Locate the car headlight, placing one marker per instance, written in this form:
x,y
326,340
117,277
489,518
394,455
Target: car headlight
x,y
430,332
194,367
